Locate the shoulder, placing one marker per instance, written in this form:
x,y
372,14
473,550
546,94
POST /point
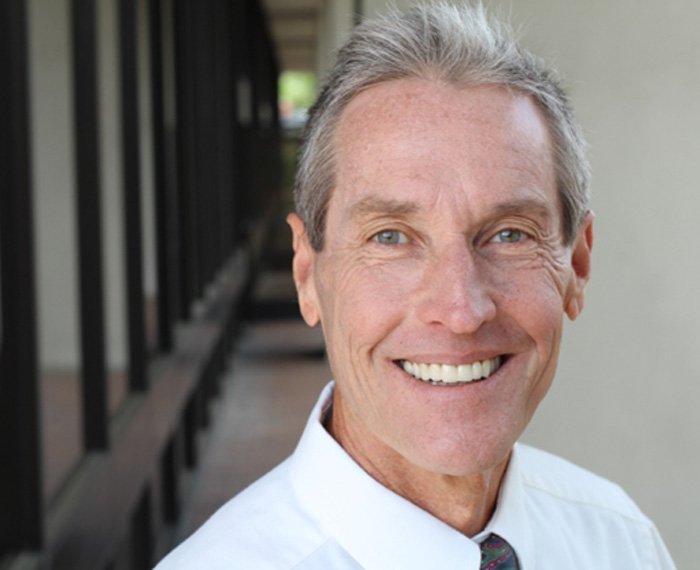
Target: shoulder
x,y
262,527
548,474
590,517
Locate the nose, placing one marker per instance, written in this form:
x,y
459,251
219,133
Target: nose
x,y
455,292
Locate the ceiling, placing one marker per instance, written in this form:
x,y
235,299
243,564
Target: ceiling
x,y
294,25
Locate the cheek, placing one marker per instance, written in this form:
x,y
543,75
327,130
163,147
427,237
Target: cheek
x,y
538,312
363,295
532,299
535,285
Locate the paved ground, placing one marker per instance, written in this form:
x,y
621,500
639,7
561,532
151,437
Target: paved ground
x,y
276,375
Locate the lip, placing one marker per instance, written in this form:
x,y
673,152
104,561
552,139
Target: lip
x,y
452,359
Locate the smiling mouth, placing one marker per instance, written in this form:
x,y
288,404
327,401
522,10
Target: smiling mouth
x,y
450,375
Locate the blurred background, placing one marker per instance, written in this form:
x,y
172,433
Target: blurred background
x,y
153,362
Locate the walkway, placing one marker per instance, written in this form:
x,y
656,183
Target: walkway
x,y
277,372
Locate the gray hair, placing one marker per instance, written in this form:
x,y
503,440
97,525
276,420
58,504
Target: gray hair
x,y
462,46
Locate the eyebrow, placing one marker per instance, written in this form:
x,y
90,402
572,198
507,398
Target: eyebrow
x,y
374,205
537,206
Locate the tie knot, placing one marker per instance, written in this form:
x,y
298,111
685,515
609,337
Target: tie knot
x,y
497,554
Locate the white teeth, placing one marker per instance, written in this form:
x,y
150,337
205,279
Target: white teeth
x,y
435,371
464,373
477,370
424,371
449,374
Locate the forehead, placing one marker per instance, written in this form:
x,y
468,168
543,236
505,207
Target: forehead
x,y
413,133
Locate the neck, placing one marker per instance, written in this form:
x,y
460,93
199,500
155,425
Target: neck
x,y
465,502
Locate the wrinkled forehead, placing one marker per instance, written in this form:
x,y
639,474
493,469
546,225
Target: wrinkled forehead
x,y
412,129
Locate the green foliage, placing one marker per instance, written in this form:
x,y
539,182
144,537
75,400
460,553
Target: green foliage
x,y
297,89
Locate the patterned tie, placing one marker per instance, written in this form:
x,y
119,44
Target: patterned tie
x,y
497,554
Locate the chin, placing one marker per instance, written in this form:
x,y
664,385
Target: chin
x,y
459,459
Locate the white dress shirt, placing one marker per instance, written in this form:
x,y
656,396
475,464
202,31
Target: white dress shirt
x,y
319,510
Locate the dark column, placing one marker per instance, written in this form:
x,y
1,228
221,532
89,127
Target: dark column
x,y
186,150
131,148
358,11
141,535
224,76
87,146
165,222
20,452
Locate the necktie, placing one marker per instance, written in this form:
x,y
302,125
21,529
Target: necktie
x,y
497,554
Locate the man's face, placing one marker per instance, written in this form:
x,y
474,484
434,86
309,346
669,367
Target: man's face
x,y
444,277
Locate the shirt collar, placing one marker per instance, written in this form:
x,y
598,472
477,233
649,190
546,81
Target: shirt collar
x,y
392,532
510,520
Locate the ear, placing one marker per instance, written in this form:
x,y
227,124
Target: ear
x,y
581,265
303,271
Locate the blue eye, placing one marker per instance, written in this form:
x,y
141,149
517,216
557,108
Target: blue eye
x,y
390,237
509,235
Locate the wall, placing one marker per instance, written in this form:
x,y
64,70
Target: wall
x,y
336,21
111,181
53,159
624,403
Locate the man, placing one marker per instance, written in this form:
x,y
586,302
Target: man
x,y
442,233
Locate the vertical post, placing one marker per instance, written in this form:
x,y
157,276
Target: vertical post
x,y
136,341
162,188
87,145
141,533
239,68
358,11
170,466
225,77
186,144
20,449
204,129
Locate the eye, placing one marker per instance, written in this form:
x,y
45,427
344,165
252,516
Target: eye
x,y
509,235
390,237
